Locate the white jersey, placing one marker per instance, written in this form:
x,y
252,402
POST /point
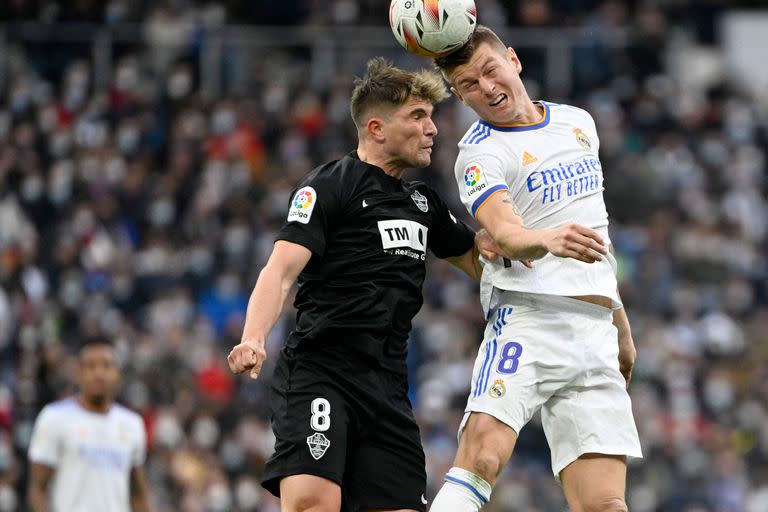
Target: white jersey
x,y
553,172
92,455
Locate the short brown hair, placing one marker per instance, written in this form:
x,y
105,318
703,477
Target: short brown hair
x,y
386,85
482,34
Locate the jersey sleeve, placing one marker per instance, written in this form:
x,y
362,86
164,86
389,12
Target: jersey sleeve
x,y
139,453
451,237
479,176
594,134
313,210
45,446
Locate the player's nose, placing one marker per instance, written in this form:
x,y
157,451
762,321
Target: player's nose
x,y
430,128
487,86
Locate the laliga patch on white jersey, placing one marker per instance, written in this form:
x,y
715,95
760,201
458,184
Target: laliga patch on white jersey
x,y
474,180
400,233
302,205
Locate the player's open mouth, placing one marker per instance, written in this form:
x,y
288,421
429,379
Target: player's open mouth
x,y
500,98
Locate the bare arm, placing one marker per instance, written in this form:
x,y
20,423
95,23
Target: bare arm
x,y
275,280
37,490
499,216
469,262
139,491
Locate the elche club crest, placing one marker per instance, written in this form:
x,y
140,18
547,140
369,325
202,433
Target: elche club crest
x,y
420,200
582,139
318,444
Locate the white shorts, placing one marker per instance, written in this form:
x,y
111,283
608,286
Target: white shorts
x,y
561,355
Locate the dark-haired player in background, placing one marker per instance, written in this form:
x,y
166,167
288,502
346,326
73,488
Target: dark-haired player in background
x,y
356,238
87,452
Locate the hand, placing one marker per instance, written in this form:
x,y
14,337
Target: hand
x,y
627,355
487,246
577,242
248,355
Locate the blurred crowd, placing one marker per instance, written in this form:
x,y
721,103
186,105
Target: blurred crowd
x,y
144,210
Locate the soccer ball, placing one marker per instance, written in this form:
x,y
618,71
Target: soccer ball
x,y
432,28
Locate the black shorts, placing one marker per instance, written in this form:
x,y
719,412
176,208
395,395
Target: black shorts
x,y
336,415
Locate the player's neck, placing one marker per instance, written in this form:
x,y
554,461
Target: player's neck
x,y
98,406
379,160
534,112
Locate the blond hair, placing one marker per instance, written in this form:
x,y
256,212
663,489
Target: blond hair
x,y
385,85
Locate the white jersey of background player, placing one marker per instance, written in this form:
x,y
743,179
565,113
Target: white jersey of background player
x,y
558,339
87,452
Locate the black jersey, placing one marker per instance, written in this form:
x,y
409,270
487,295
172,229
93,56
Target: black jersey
x,y
368,233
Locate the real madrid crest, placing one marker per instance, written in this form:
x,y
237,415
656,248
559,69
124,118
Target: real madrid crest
x,y
498,389
420,200
583,139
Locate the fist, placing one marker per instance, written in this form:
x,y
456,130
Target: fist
x,y
247,356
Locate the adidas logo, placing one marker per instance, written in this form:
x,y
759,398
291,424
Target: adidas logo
x,y
528,158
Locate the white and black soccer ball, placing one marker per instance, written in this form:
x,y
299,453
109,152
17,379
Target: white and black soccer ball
x,y
432,28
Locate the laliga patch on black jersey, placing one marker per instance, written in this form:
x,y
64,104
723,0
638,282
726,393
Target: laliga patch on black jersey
x,y
403,238
302,205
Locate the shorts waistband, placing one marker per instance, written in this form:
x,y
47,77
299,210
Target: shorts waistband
x,y
543,301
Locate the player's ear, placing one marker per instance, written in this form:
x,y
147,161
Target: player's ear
x,y
513,58
457,94
375,129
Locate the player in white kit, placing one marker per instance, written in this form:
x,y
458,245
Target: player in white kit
x,y
558,338
87,452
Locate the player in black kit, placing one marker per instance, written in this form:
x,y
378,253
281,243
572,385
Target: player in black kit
x,y
356,237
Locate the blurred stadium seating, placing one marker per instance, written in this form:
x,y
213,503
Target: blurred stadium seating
x,y
147,151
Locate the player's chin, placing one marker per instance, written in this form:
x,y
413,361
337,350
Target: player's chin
x,y
423,159
499,114
98,397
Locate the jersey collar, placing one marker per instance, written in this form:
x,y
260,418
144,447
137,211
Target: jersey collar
x,y
374,169
541,123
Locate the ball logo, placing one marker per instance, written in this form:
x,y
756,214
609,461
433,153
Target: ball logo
x,y
472,175
303,199
302,205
